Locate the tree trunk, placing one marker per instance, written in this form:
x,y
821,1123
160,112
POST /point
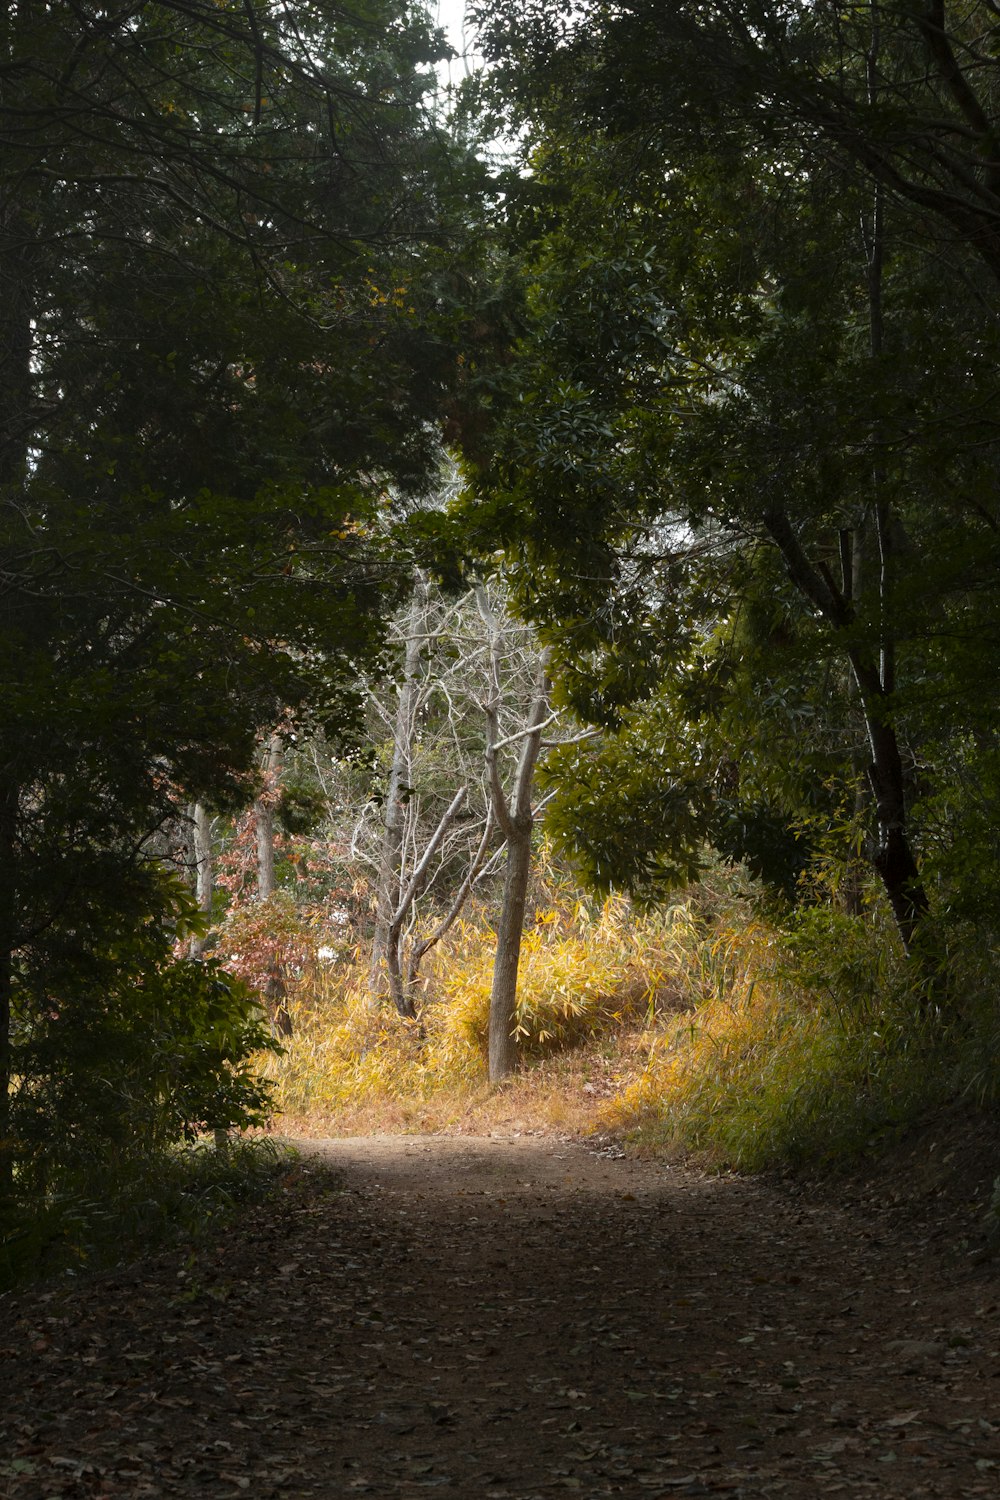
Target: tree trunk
x,y
382,977
17,301
263,810
204,883
17,254
264,821
274,992
204,888
873,668
503,993
893,858
8,942
516,819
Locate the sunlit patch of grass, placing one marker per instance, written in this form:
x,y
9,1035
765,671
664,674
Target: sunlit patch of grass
x,y
581,974
587,976
556,1095
795,1054
703,1030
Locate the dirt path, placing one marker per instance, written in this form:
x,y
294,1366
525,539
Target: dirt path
x,y
512,1318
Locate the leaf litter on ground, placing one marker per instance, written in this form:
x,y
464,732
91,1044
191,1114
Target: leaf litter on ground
x,y
593,1325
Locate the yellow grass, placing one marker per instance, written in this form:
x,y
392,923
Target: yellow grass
x,y
589,980
696,1030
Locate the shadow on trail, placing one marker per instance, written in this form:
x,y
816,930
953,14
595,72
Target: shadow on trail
x,y
512,1318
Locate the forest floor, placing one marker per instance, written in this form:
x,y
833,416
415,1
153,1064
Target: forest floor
x,y
510,1317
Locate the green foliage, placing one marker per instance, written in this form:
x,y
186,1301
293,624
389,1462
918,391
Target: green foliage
x,y
127,1206
742,449
121,1048
632,809
222,363
300,806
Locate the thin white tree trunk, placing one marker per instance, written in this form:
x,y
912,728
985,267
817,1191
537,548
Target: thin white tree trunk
x,y
274,992
204,874
263,811
390,871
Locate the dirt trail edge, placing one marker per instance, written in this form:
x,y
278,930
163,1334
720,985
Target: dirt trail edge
x,y
510,1319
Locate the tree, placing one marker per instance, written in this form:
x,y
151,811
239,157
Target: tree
x,y
718,363
263,818
437,829
901,97
516,819
220,228
203,868
389,913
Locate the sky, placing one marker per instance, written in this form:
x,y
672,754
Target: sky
x,y
450,16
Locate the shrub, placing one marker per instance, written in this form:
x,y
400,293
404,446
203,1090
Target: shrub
x,y
121,1049
125,1206
807,1045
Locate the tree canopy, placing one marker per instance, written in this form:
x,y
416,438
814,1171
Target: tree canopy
x,y
225,231
745,461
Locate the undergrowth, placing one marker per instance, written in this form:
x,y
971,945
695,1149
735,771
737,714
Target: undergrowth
x,y
590,976
122,1209
770,1071
705,1029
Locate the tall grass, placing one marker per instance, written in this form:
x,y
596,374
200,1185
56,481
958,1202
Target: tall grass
x,y
810,1045
703,1029
587,973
